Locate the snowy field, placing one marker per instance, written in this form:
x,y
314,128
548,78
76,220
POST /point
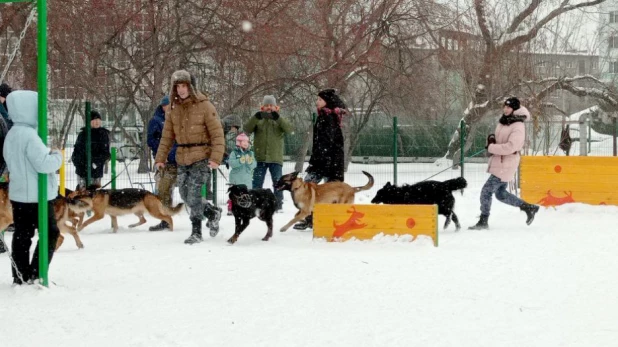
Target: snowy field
x,y
549,284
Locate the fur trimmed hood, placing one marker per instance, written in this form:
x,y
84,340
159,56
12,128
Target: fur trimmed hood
x,y
182,76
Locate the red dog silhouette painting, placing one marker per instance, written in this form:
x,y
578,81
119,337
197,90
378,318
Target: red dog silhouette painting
x,y
353,223
551,200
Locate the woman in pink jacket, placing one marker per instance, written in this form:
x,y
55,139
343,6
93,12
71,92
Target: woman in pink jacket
x,y
504,147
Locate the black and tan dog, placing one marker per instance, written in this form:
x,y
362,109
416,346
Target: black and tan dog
x,y
121,202
307,194
247,204
62,213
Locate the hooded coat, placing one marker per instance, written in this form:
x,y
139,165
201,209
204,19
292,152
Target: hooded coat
x,y
25,154
194,124
509,142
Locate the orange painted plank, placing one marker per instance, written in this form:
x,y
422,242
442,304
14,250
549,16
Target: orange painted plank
x,y
342,222
552,181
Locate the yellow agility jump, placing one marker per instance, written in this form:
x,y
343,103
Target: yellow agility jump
x,y
341,222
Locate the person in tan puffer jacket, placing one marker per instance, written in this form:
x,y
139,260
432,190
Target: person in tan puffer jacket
x,y
196,127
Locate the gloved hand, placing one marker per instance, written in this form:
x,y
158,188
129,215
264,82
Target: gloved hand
x,y
258,115
274,115
491,139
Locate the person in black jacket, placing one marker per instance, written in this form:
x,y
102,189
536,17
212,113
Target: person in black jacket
x,y
327,159
99,148
5,90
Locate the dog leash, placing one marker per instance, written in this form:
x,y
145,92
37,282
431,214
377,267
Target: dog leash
x,y
450,167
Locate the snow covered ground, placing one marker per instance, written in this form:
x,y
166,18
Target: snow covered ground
x,y
549,284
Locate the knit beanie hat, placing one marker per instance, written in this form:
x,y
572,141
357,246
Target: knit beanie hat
x,y
269,100
240,138
165,101
512,103
94,115
5,90
331,98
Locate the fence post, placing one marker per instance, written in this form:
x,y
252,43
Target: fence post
x,y
615,136
395,130
214,187
113,160
63,176
88,145
583,141
589,136
462,145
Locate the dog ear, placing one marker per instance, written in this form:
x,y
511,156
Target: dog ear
x,y
295,174
388,184
243,188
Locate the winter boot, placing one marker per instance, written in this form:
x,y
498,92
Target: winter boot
x,y
213,213
161,226
306,224
481,225
196,232
530,210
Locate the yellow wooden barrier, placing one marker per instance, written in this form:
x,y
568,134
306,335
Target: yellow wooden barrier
x,y
340,222
554,181
62,176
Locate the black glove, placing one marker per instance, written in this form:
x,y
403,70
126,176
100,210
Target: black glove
x,y
258,115
491,139
274,115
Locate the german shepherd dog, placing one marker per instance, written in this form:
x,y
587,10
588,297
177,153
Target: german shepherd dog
x,y
62,213
121,202
424,193
307,194
247,204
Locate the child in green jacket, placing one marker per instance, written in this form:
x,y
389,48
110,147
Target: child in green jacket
x,y
242,162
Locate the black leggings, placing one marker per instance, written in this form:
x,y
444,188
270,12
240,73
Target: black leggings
x,y
26,222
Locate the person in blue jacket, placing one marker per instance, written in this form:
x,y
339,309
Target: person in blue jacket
x,y
166,177
26,157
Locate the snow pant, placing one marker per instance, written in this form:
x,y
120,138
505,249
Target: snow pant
x,y
191,178
495,185
259,175
167,183
25,225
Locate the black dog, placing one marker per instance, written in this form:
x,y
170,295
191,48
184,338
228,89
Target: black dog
x,y
247,204
424,193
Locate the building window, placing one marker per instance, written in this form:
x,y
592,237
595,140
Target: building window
x,y
613,67
594,65
569,64
613,42
613,17
582,67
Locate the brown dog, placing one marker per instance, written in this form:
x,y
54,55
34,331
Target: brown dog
x,y
121,202
62,213
307,194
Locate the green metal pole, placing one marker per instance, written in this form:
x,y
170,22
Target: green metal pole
x,y
395,150
113,160
214,187
88,145
462,145
204,191
42,96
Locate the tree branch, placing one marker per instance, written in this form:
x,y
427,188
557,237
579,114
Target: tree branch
x,y
523,15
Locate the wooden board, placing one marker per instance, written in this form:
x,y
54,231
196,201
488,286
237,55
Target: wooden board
x,y
341,222
554,181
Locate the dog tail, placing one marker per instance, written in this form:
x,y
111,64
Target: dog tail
x,y
174,210
367,186
455,184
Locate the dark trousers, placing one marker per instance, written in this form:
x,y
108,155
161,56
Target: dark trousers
x,y
26,222
495,186
259,175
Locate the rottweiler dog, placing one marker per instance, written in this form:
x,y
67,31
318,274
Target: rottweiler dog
x,y
247,204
